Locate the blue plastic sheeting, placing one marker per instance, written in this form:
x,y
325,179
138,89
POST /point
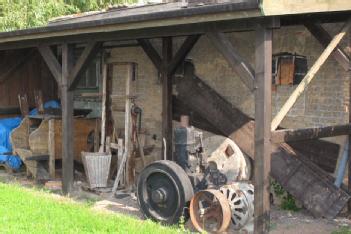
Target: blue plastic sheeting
x,y
13,161
50,104
6,126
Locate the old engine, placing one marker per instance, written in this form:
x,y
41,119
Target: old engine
x,y
208,180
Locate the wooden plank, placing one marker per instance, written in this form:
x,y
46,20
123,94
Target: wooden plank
x,y
151,52
309,76
82,129
51,148
153,32
85,59
167,127
288,135
67,121
123,163
180,108
38,158
15,66
324,39
324,154
236,61
304,180
39,102
349,108
182,52
288,7
23,104
51,61
263,112
103,108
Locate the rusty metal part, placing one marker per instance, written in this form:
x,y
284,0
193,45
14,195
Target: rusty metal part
x,y
210,211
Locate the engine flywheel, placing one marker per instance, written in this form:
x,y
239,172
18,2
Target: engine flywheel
x,y
210,211
164,190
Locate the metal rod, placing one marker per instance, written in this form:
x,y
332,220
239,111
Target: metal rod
x,y
340,173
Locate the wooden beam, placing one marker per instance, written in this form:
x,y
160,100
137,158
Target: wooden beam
x,y
151,52
22,60
181,54
51,61
324,39
290,7
263,109
167,97
289,135
349,105
88,54
239,65
309,76
67,121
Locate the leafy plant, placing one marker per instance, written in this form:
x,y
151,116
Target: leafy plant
x,y
288,201
21,14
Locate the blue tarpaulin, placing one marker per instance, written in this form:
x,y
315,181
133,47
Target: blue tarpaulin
x,y
6,126
50,104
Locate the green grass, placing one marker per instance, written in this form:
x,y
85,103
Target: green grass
x,y
27,211
342,230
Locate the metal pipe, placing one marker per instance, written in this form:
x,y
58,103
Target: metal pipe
x,y
342,165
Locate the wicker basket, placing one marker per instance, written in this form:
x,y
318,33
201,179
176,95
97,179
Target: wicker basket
x,y
97,167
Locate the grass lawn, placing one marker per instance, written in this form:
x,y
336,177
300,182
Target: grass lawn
x,y
24,210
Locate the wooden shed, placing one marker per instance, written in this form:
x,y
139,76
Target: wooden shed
x,y
64,59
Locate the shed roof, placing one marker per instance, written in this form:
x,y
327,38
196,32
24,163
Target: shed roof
x,y
157,16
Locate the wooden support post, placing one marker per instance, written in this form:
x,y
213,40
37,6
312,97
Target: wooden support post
x,y
289,135
349,163
309,76
167,97
67,121
103,107
263,107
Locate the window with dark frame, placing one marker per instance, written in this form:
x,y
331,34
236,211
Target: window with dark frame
x,y
89,80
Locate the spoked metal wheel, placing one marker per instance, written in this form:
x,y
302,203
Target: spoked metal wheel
x,y
164,190
210,211
240,197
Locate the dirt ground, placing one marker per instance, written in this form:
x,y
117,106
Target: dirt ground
x,y
282,222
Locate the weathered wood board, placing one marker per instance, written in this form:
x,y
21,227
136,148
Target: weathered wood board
x,y
82,128
47,140
287,7
299,176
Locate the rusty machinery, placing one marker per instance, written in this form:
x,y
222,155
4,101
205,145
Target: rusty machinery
x,y
208,180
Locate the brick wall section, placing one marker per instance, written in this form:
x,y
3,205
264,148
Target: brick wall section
x,y
324,102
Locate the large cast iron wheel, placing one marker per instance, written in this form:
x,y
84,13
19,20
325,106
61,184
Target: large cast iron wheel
x,y
164,190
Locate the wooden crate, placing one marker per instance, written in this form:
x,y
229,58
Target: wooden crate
x,y
46,139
